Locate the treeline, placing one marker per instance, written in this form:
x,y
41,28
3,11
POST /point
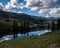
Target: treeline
x,y
23,26
55,25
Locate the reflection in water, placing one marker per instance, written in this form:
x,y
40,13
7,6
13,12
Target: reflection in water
x,y
25,34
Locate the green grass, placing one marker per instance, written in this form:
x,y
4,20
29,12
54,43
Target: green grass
x,y
42,41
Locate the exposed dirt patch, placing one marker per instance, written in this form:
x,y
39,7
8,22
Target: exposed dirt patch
x,y
55,45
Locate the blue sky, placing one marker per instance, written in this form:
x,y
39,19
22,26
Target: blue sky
x,y
32,7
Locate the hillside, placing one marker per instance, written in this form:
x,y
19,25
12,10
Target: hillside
x,y
22,16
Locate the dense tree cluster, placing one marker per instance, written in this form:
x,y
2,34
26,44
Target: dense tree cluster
x,y
55,26
58,23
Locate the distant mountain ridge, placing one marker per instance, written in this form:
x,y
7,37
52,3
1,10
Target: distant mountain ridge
x,y
22,16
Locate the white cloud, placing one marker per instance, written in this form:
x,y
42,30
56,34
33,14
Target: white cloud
x,y
1,6
21,5
33,4
52,11
47,16
34,8
19,12
43,6
11,4
55,11
44,11
49,3
13,1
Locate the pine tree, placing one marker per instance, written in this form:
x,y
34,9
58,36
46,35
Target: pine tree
x,y
53,25
48,25
14,26
58,23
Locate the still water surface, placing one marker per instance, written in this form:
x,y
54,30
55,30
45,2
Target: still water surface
x,y
31,33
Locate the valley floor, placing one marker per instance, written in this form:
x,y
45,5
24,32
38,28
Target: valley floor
x,y
48,40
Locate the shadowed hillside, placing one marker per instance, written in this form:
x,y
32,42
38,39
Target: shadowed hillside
x,y
22,16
